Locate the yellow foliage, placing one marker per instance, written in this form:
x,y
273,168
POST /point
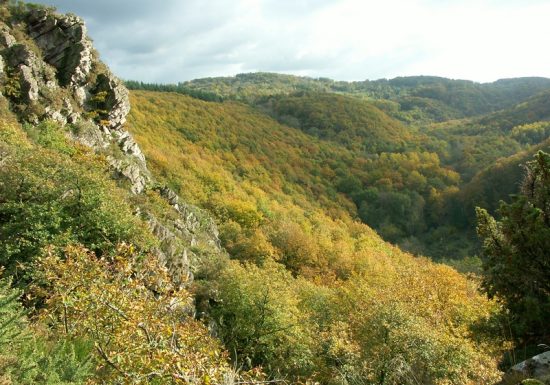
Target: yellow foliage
x,y
139,322
271,189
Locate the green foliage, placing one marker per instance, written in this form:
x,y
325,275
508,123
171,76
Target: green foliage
x,y
532,133
405,202
415,99
27,357
531,110
12,84
394,347
315,295
48,197
261,322
50,134
283,202
388,330
19,9
352,122
179,88
97,109
515,258
370,329
137,319
254,169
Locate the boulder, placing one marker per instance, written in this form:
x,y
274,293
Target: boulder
x,y
536,368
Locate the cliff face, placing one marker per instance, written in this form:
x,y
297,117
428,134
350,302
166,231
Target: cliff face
x,y
54,73
49,70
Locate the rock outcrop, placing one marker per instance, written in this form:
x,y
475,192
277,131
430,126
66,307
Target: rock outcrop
x,y
537,368
49,70
55,74
64,45
191,227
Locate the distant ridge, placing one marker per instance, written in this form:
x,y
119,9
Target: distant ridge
x,y
437,98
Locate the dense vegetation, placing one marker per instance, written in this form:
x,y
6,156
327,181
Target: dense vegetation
x,y
55,199
420,192
420,207
396,193
305,275
515,251
415,98
309,285
306,181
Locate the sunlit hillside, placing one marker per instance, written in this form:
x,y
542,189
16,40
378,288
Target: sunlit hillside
x,y
262,228
269,187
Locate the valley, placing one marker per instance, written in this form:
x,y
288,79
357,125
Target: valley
x,y
265,228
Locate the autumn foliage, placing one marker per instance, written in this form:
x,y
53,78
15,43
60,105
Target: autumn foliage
x,y
140,323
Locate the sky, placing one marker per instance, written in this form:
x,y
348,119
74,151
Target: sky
x,y
170,41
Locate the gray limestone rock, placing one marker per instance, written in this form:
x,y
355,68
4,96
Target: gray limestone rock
x,y
64,44
88,133
130,171
192,222
537,367
35,77
129,146
2,71
56,115
116,102
172,252
64,67
29,85
6,39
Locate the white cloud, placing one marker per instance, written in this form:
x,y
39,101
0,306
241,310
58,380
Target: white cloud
x,y
173,40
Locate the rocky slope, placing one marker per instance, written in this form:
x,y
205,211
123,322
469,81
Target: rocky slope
x,y
50,71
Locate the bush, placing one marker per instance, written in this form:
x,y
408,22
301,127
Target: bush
x,y
139,322
260,320
27,357
47,198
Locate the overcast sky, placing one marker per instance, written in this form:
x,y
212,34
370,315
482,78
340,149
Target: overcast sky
x,y
177,40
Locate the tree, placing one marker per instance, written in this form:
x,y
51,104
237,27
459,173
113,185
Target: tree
x,y
139,321
260,320
516,252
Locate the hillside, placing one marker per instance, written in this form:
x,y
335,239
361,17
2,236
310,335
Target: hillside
x,y
395,192
411,99
354,123
412,205
236,231
474,144
271,195
492,185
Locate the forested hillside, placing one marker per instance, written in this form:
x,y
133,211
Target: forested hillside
x,y
258,229
405,167
412,99
416,183
269,187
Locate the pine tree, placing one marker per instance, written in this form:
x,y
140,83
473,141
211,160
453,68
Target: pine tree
x,y
516,253
13,335
29,358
